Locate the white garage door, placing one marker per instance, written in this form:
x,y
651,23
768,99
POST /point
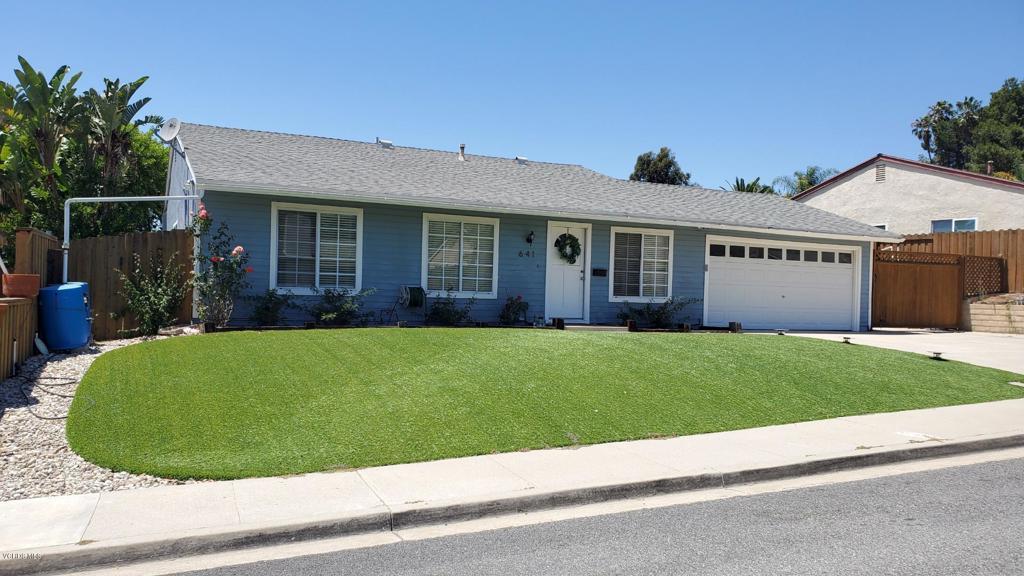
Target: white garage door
x,y
767,285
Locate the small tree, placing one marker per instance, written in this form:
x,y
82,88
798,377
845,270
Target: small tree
x,y
153,297
221,271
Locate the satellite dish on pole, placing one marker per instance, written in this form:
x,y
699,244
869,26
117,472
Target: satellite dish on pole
x,y
169,129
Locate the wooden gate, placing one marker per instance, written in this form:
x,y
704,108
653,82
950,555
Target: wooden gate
x,y
917,290
97,260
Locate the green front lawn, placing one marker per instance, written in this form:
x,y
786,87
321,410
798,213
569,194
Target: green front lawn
x,y
242,404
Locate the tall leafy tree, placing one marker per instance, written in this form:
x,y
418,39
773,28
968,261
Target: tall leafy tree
x,y
999,134
56,143
803,179
659,168
946,131
755,186
967,135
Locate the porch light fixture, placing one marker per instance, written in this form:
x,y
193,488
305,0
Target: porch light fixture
x,y
529,237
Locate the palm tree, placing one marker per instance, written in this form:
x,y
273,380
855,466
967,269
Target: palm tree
x,y
755,186
802,180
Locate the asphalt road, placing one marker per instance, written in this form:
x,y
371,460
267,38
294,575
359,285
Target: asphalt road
x,y
967,520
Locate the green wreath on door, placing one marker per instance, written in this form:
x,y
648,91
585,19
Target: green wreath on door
x,y
568,247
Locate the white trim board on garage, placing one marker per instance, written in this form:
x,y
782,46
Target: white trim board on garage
x,y
767,294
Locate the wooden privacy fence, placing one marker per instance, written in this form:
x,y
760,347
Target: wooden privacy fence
x,y
925,290
97,260
17,332
1005,244
32,253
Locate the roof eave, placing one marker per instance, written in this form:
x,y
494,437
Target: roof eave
x,y
357,196
908,162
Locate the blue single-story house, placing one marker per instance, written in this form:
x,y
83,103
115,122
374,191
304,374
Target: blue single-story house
x,y
326,213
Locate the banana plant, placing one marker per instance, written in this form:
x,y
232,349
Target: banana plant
x,y
112,123
47,111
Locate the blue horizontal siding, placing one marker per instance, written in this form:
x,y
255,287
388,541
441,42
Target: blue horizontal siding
x,y
392,254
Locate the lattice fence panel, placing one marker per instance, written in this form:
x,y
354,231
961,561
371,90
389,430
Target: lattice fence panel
x,y
984,275
916,257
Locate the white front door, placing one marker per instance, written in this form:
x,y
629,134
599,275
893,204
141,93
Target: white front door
x,y
568,283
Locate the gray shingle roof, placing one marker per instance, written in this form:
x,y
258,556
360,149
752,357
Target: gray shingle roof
x,y
344,168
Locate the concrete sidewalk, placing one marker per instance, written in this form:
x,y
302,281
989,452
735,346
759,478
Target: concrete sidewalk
x,y
75,531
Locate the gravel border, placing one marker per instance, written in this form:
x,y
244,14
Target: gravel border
x,y
35,459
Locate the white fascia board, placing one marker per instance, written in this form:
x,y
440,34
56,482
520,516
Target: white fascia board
x,y
354,196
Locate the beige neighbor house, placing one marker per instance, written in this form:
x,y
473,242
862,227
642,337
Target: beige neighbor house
x,y
910,197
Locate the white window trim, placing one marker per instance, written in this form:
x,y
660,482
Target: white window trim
x,y
275,207
427,217
611,263
855,262
952,224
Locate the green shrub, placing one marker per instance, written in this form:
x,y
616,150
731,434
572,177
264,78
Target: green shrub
x,y
341,307
513,311
268,309
446,311
153,296
627,312
656,315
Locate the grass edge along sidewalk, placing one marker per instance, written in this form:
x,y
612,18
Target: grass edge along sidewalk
x,y
247,404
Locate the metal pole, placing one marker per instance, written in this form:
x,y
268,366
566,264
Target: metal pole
x,y
67,215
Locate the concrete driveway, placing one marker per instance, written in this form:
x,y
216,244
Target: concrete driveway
x,y
1002,351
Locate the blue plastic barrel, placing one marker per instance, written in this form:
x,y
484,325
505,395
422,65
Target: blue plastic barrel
x,y
64,315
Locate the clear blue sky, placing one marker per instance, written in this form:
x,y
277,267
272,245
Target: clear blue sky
x,y
744,89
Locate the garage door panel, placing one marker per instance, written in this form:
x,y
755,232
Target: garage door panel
x,y
765,294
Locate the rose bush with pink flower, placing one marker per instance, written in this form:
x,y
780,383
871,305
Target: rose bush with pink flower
x,y
221,271
513,311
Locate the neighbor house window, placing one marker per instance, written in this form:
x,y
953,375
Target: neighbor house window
x,y
315,247
955,225
641,262
460,255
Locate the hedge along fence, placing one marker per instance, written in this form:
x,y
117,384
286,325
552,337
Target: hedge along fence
x,y
1005,244
97,260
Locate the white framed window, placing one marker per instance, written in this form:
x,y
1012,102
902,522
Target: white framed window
x,y
641,265
460,255
315,247
955,225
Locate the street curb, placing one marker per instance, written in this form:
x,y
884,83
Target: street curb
x,y
82,556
